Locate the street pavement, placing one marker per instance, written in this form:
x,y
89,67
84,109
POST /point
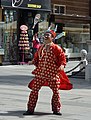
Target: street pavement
x,y
76,103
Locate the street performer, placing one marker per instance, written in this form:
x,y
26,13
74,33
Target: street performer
x,y
50,61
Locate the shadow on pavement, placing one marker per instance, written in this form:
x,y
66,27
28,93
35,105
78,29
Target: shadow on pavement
x,y
80,83
13,113
15,79
20,114
25,79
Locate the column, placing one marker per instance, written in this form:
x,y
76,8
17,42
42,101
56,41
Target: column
x,y
88,67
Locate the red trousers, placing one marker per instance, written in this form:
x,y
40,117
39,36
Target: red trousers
x,y
33,97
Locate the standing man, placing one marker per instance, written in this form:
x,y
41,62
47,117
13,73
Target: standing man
x,y
49,61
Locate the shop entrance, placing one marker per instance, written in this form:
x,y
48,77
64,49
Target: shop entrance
x,y
26,17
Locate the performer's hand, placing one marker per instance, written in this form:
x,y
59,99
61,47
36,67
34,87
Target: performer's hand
x,y
61,67
30,62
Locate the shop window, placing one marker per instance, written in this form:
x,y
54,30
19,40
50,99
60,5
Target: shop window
x,y
43,25
76,37
9,35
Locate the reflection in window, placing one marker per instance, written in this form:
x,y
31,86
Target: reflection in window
x,y
76,36
9,35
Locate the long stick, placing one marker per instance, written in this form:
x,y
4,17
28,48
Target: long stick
x,y
60,35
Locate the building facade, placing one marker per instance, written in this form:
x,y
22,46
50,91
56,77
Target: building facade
x,y
73,17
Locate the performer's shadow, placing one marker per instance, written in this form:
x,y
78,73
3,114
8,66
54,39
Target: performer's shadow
x,y
42,113
13,113
20,114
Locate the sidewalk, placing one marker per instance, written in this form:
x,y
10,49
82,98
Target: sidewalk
x,y
76,103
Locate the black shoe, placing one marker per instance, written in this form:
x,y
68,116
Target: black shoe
x,y
28,113
57,113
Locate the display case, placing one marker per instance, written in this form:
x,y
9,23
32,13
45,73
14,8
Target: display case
x,y
24,48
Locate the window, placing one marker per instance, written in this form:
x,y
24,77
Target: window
x,y
58,9
76,36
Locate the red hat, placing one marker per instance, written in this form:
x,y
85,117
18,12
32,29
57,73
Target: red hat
x,y
52,32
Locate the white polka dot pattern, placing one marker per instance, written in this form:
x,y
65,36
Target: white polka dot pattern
x,y
47,69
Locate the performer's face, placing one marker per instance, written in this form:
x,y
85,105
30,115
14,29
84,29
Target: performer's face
x,y
48,38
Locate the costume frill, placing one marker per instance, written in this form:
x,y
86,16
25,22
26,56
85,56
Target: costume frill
x,y
64,82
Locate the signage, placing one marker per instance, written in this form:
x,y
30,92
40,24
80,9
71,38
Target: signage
x,y
23,27
32,4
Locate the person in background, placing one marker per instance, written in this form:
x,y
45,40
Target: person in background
x,y
50,62
35,43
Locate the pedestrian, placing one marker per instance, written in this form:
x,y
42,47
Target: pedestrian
x,y
35,43
50,62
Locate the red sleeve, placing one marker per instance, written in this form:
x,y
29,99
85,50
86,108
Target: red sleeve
x,y
35,59
60,56
36,56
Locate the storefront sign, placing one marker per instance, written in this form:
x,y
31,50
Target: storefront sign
x,y
23,27
33,4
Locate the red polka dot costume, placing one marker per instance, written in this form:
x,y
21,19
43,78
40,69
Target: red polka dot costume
x,y
47,61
